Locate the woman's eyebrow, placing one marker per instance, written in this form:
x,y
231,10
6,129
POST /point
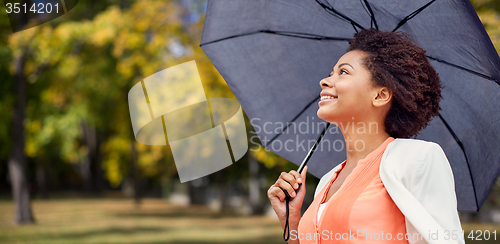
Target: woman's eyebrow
x,y
342,64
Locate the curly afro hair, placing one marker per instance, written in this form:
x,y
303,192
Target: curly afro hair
x,y
397,63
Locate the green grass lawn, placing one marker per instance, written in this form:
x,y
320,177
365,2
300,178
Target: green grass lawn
x,y
116,220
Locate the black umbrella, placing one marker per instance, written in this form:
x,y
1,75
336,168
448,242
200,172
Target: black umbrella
x,y
273,53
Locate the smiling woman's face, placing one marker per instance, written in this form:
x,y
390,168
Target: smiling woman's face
x,y
351,90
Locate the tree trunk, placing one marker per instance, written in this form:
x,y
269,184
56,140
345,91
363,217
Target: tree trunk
x,y
192,193
222,184
17,159
41,179
253,184
86,174
134,173
98,172
86,171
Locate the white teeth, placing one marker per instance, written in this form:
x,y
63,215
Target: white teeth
x,y
327,97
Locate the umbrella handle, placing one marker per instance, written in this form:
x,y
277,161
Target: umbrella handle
x,y
288,198
287,226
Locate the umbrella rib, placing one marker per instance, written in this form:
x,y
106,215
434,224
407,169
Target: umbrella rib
x,y
289,123
283,33
306,35
334,12
464,69
372,16
410,16
463,151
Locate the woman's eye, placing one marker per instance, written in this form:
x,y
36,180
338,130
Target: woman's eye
x,y
343,71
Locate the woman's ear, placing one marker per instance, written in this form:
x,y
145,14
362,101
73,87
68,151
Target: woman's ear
x,y
382,97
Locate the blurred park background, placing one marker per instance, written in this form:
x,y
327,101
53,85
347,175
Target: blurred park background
x,y
67,145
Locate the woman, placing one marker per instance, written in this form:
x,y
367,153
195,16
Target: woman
x,y
393,189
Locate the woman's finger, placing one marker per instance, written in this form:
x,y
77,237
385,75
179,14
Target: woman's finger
x,y
297,176
289,178
287,187
275,191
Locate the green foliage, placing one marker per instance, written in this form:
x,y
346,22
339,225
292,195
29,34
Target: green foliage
x,y
81,72
6,88
489,14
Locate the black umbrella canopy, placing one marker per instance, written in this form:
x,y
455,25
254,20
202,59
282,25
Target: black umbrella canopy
x,y
273,53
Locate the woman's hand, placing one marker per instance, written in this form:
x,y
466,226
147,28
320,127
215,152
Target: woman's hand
x,y
289,182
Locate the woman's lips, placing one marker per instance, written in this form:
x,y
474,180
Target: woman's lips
x,y
325,99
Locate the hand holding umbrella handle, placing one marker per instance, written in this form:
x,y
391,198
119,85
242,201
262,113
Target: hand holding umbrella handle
x,y
301,167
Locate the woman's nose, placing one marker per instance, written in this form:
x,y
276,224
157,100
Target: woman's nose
x,y
324,83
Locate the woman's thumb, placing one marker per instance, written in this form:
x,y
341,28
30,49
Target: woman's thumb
x,y
303,175
303,181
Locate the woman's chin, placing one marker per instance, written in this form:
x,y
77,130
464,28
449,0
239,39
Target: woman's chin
x,y
325,116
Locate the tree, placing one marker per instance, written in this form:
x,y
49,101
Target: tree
x,y
23,51
17,158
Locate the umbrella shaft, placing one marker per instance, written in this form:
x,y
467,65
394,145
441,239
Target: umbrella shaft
x,y
311,151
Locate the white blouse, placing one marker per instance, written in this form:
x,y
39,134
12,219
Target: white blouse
x,y
320,210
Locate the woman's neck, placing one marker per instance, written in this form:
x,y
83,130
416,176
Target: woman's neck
x,y
360,142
